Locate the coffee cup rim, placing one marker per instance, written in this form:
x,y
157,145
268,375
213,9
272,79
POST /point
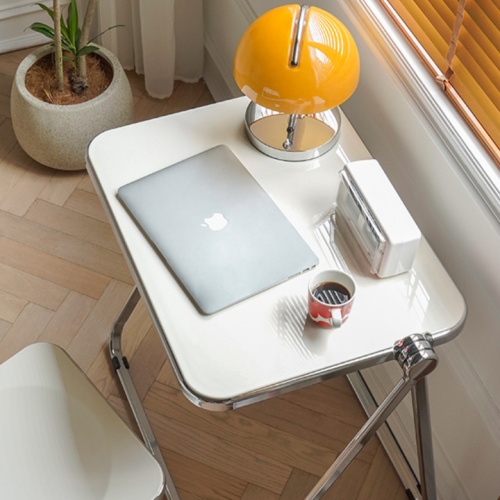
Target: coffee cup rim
x,y
352,291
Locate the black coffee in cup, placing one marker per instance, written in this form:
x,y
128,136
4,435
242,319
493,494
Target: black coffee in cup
x,y
331,293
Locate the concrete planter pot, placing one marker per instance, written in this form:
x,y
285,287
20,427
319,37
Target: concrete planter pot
x,y
57,136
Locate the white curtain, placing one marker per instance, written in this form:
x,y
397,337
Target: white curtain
x,y
161,39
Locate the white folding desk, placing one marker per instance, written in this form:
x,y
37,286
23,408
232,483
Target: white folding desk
x,y
265,345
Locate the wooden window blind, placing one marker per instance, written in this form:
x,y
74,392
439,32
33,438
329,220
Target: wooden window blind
x,y
460,42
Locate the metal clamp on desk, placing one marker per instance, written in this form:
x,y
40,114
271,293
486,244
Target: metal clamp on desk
x,y
417,359
416,356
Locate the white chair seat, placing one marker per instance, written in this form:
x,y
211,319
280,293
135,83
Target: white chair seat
x,y
61,440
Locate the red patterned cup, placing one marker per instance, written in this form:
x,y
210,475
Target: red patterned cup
x,y
331,294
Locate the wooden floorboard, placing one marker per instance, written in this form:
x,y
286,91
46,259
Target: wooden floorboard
x,y
86,203
73,224
63,280
52,268
31,183
64,325
25,330
61,187
31,288
4,328
11,306
5,84
7,142
4,106
239,430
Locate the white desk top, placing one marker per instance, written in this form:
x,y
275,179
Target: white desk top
x,y
266,343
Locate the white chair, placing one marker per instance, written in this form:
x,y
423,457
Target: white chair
x,y
61,440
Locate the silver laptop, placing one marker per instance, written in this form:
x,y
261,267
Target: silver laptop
x,y
218,230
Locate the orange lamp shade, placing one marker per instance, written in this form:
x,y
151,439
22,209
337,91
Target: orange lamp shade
x,y
327,72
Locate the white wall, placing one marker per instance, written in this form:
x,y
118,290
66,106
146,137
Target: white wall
x,y
15,17
465,394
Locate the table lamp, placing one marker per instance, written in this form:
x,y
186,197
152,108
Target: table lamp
x,y
297,64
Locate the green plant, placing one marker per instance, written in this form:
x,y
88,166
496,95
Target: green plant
x,y
69,37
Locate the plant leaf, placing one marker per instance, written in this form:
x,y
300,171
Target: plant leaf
x,y
65,34
66,38
41,25
65,46
77,39
43,29
50,12
112,27
86,50
72,21
64,30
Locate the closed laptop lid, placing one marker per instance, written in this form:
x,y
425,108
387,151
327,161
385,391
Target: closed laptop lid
x,y
218,230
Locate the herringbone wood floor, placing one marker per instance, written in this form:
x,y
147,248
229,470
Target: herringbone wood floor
x,y
64,280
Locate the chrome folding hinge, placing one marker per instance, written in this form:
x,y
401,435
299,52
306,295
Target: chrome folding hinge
x,y
416,356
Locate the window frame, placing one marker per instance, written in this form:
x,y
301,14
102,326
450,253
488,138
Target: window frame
x,y
373,21
447,86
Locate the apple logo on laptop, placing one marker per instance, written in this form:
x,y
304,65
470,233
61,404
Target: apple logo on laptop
x,y
216,223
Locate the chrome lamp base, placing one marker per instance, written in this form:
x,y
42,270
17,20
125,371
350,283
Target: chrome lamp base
x,y
292,137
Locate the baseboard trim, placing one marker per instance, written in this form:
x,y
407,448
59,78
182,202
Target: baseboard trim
x,y
214,79
22,42
217,75
28,39
19,9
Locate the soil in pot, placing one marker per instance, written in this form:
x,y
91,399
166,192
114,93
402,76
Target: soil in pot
x,y
41,80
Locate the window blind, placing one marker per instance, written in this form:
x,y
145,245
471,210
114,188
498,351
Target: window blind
x,y
460,42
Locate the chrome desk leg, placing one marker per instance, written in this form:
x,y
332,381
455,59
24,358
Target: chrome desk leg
x,y
424,440
417,359
121,365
